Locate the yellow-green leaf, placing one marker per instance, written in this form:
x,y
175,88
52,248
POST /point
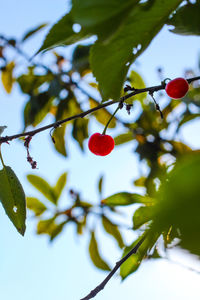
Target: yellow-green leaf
x,y
43,186
113,230
60,185
95,256
137,82
35,205
125,198
102,115
7,77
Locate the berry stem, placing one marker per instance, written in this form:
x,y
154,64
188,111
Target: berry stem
x,y
104,131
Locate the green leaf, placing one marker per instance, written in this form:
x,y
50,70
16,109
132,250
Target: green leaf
x,y
178,202
80,59
60,185
46,226
134,261
43,187
35,205
62,34
57,230
95,256
33,31
125,198
59,138
37,108
186,20
142,215
140,181
102,115
100,16
188,118
123,138
110,61
100,184
137,82
7,77
12,198
80,131
113,230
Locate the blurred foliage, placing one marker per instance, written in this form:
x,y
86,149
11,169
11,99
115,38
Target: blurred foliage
x,y
168,209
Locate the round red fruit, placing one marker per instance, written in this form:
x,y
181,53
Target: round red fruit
x,y
177,88
101,144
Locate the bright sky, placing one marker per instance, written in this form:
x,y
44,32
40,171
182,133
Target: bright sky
x,y
31,268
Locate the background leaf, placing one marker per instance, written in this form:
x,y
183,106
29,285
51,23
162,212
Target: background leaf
x,y
125,198
113,230
42,186
95,256
35,205
7,77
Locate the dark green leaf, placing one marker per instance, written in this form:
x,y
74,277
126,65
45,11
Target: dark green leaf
x,y
80,59
12,198
59,138
37,108
134,261
113,230
110,61
80,131
123,138
62,34
95,256
43,186
35,205
186,20
60,185
33,31
178,202
125,198
142,215
101,17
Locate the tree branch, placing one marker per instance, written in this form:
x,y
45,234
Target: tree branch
x,y
101,286
134,92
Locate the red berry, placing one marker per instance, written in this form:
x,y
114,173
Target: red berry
x,y
177,88
101,144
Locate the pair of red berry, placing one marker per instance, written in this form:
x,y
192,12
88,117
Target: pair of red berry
x,y
102,144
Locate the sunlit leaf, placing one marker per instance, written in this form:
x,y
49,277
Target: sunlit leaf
x,y
95,255
60,185
134,261
102,115
46,226
125,198
7,77
142,215
57,230
123,138
12,198
35,205
42,186
113,230
137,82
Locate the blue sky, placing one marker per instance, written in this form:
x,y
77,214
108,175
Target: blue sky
x,y
30,267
